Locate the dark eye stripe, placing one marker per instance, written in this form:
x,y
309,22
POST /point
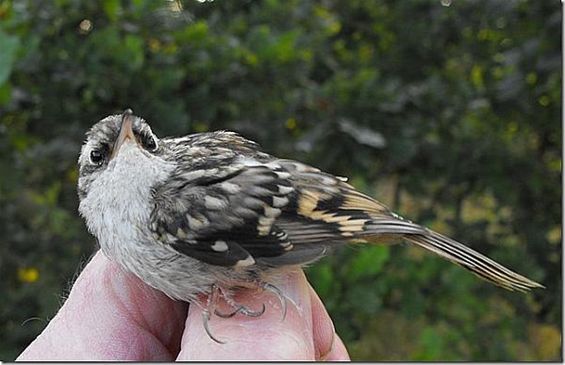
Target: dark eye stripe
x,y
149,142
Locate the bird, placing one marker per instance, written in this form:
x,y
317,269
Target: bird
x,y
208,214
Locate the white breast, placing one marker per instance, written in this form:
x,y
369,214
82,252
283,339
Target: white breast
x,y
117,210
118,205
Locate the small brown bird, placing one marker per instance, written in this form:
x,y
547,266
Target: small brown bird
x,y
208,213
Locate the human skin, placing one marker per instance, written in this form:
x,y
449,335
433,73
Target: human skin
x,y
110,314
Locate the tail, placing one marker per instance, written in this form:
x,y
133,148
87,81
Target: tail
x,y
473,261
350,210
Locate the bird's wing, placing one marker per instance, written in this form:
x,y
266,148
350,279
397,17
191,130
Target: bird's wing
x,y
283,212
275,212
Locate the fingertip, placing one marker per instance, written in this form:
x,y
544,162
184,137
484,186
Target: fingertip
x,y
267,337
327,343
338,351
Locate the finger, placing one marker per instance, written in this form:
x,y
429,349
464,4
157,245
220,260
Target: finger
x,y
111,314
328,346
267,337
338,351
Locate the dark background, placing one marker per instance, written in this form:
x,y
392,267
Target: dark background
x,y
447,111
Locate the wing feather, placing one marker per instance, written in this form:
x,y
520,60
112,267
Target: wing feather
x,y
245,210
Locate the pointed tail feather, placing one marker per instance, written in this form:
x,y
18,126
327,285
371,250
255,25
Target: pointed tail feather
x,y
473,261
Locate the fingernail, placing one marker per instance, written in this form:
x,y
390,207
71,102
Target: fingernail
x,y
294,287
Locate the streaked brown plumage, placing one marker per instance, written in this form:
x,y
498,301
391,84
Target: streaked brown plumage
x,y
211,210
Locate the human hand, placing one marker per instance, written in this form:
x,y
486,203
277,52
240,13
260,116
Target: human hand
x,y
110,314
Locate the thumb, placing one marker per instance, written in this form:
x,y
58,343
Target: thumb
x,y
110,314
267,337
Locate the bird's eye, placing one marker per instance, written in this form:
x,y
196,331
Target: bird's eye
x,y
149,142
97,157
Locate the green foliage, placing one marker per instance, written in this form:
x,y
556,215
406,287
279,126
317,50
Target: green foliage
x,y
449,114
9,45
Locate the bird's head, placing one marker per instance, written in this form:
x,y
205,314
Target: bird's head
x,y
120,162
113,141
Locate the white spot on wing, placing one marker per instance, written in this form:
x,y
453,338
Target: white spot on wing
x,y
230,187
281,235
220,246
282,175
192,175
328,180
180,233
195,223
248,261
273,165
304,168
214,203
264,225
272,212
249,162
279,202
285,189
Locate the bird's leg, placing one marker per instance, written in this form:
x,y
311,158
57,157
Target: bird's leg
x,y
238,308
279,294
211,308
243,310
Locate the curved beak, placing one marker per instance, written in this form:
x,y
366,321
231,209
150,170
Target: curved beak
x,y
126,132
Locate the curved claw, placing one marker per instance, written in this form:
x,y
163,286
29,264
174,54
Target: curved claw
x,y
205,319
227,315
250,313
282,299
243,310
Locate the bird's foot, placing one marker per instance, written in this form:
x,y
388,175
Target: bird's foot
x,y
216,292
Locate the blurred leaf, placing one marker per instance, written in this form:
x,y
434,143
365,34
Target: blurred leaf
x,y
134,46
112,9
362,135
5,93
322,275
547,341
368,262
431,344
9,45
